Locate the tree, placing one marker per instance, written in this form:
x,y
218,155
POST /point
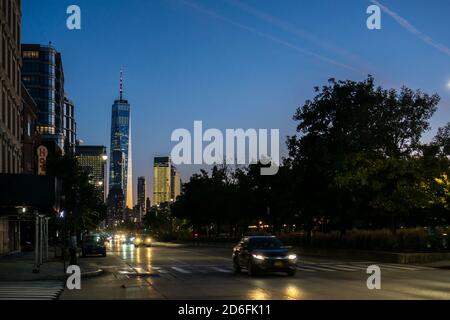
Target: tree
x,y
80,196
353,132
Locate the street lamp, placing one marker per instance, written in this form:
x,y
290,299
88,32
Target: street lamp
x,y
104,157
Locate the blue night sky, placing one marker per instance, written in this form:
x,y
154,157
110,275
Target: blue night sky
x,y
230,63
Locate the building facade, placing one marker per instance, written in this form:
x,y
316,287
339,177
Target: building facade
x,y
162,180
30,137
69,126
43,76
120,172
10,92
93,160
175,183
10,110
142,195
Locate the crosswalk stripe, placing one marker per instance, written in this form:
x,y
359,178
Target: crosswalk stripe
x,y
180,270
350,267
27,296
20,299
396,267
160,270
30,290
221,270
27,291
305,269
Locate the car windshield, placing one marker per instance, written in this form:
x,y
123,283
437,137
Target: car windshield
x,y
265,243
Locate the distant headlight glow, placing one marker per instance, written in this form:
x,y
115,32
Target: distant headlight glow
x,y
258,257
292,256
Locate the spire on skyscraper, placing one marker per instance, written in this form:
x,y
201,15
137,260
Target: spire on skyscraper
x,y
121,82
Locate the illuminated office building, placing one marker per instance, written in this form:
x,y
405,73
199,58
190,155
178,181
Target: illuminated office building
x,y
43,76
142,194
93,160
120,173
161,180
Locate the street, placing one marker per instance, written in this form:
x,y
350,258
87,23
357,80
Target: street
x,y
167,271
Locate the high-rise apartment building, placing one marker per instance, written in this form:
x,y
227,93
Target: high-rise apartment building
x,y
93,160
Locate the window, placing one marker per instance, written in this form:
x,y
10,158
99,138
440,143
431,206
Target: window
x,y
31,54
29,127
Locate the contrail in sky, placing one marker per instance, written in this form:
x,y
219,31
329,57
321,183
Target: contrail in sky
x,y
408,26
286,26
268,36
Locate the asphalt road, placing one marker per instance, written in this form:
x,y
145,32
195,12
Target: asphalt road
x,y
177,272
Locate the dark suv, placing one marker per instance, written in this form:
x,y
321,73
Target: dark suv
x,y
93,244
260,254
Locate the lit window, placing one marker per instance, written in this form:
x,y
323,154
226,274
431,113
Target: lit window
x,y
31,54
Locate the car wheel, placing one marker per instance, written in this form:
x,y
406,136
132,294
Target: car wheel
x,y
291,272
236,266
252,271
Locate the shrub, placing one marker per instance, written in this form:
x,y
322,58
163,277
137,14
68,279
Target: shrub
x,y
412,239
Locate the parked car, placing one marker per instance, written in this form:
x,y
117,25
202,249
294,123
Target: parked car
x,y
93,244
260,254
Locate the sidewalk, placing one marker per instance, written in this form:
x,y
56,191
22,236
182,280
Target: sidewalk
x,y
19,267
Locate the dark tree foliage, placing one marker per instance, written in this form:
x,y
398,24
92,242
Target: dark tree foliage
x,y
82,202
357,160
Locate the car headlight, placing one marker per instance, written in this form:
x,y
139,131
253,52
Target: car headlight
x,y
148,240
292,256
258,257
138,240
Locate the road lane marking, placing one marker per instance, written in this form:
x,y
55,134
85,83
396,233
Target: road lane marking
x,y
316,267
180,270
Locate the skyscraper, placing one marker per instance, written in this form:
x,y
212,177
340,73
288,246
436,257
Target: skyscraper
x,y
120,173
43,76
142,194
175,183
93,160
161,180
